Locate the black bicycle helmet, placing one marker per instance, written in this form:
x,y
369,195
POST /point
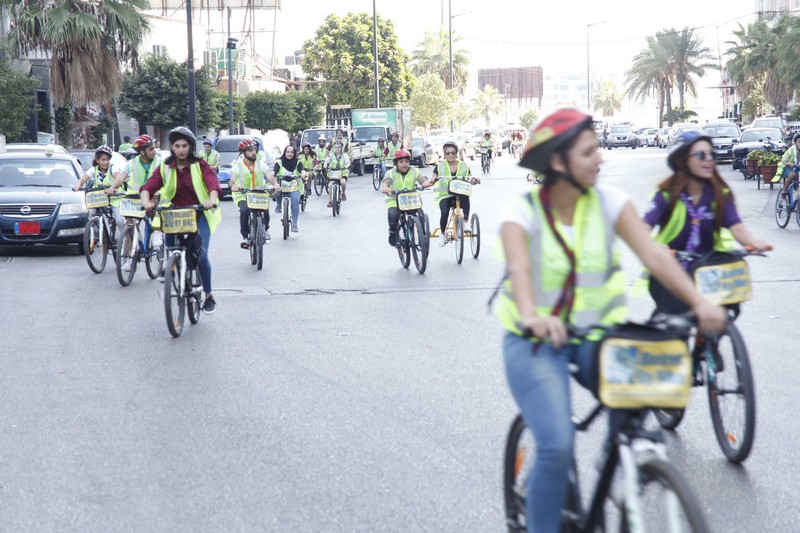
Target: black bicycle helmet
x,y
182,132
796,136
551,135
682,144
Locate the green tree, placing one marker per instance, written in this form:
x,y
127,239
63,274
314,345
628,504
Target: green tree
x,y
488,103
461,112
607,98
433,57
158,93
340,53
651,74
270,111
431,101
86,41
18,101
219,100
529,118
754,103
309,108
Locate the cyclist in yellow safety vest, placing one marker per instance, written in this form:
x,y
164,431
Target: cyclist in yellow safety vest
x,y
102,174
307,159
381,152
209,155
398,178
563,268
339,137
184,179
249,172
339,162
443,173
787,168
487,144
394,145
290,165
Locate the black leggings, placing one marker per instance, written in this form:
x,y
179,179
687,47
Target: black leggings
x,y
394,218
244,219
448,203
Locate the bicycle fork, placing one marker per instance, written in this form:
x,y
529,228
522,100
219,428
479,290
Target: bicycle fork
x,y
628,453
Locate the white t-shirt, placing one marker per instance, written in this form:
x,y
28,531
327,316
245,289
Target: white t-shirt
x,y
342,160
113,168
612,199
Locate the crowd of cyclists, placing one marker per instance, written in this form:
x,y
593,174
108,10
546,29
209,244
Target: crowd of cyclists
x,y
563,268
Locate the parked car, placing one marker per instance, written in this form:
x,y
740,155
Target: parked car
x,y
757,139
34,147
422,152
679,128
662,137
647,137
723,134
37,203
773,122
621,136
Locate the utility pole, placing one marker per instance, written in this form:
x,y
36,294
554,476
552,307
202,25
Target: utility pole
x,y
190,68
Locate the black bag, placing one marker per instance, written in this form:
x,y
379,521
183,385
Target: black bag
x,y
194,246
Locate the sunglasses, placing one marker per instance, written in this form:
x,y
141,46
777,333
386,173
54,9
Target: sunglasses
x,y
449,152
702,156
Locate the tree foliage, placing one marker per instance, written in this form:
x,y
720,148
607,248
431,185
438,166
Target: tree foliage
x,y
607,98
340,54
158,94
488,103
431,101
18,100
309,108
86,42
529,118
219,100
433,57
270,111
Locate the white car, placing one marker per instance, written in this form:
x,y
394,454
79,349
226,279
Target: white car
x,y
647,137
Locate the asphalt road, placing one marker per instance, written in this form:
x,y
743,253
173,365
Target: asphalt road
x,y
334,390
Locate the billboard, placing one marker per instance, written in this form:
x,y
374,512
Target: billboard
x,y
520,83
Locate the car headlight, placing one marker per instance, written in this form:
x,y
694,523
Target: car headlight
x,y
72,209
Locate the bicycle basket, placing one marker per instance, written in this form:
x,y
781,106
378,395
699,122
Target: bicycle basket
x,y
290,185
722,279
464,188
131,208
258,200
95,199
644,367
334,174
409,201
179,221
389,163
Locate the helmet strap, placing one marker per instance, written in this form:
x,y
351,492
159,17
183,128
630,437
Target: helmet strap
x,y
567,176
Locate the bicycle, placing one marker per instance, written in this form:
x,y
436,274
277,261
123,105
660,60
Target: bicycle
x,y
785,206
412,238
336,190
648,492
258,201
454,232
289,184
320,181
304,197
721,361
486,161
100,234
183,286
378,173
134,244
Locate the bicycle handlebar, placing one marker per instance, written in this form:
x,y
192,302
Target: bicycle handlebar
x,y
196,207
679,324
683,255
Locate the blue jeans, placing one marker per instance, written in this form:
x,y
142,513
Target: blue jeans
x,y
205,265
294,197
539,382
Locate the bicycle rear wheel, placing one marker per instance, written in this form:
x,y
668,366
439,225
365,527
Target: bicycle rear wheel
x,y
126,251
418,247
154,256
318,183
517,462
459,239
174,298
732,396
782,212
95,246
194,296
666,500
376,177
259,243
475,235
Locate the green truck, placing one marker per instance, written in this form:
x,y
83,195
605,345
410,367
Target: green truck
x,y
370,124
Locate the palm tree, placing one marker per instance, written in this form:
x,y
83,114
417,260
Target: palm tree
x,y
433,56
86,43
607,98
487,103
691,59
652,75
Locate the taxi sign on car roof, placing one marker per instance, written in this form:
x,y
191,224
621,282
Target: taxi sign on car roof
x,y
2,143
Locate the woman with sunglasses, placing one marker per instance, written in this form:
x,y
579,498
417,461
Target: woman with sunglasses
x,y
445,171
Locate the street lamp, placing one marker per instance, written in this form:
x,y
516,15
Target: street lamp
x,y
588,81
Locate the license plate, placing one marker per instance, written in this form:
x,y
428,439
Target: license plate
x,y
26,228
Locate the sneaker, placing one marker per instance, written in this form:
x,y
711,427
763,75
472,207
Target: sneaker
x,y
330,204
209,306
344,196
393,239
158,239
442,240
294,228
126,266
267,238
245,245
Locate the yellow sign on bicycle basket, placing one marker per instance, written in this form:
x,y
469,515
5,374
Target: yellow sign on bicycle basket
x,y
290,185
95,199
389,163
258,200
728,283
131,207
179,221
409,201
638,374
334,174
464,188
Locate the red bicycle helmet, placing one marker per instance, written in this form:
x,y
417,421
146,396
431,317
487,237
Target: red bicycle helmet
x,y
246,144
551,135
103,149
381,140
143,141
401,154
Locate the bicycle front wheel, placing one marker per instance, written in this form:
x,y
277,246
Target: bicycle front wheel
x,y
95,246
418,247
251,241
783,212
174,300
732,396
519,457
259,243
285,217
666,501
403,248
126,253
426,226
334,191
459,239
194,295
376,177
154,257
318,183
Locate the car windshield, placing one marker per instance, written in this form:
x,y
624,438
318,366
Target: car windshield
x,y
37,173
768,123
721,131
652,131
417,143
621,129
758,135
367,133
312,136
227,158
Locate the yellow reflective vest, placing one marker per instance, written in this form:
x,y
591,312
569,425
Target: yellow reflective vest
x,y
399,182
169,176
